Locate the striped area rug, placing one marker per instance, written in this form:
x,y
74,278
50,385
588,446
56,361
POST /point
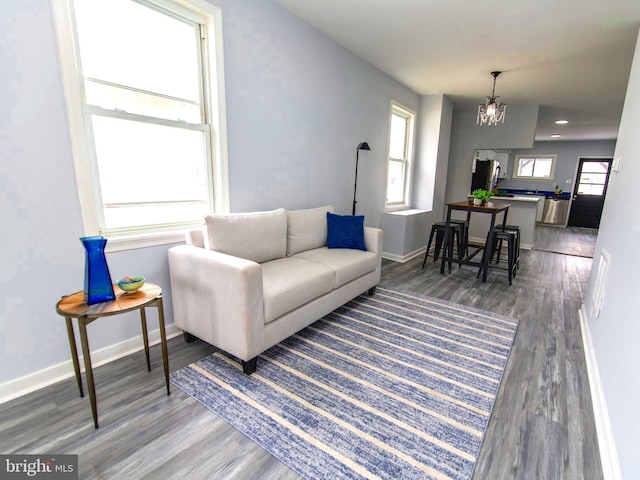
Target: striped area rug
x,y
393,386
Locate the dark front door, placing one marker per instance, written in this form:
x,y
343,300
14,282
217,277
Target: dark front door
x,y
589,192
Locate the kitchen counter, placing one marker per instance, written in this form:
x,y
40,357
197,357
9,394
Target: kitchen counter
x,y
516,198
522,212
537,193
512,198
527,198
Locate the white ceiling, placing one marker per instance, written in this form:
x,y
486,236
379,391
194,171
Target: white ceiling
x,y
571,57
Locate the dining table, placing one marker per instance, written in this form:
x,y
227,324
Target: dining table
x,y
489,208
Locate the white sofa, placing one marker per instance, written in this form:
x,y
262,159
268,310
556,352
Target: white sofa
x,y
245,282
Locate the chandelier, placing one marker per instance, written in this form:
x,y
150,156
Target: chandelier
x,y
492,110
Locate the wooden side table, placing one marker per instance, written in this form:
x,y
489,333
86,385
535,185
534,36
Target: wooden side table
x,y
73,306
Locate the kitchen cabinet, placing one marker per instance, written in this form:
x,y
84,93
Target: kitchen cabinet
x,y
522,212
502,161
484,155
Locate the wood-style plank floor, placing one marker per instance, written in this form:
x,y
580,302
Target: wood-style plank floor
x,y
542,426
569,241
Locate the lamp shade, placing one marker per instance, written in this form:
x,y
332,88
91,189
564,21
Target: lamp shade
x,y
363,146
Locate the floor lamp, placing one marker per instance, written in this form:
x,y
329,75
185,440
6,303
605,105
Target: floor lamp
x,y
362,146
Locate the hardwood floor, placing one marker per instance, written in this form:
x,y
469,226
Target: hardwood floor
x,y
542,426
569,241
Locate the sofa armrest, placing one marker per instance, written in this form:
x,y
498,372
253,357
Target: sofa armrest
x,y
218,298
373,242
373,239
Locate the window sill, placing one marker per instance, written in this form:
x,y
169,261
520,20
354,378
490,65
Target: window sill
x,y
406,212
396,208
118,243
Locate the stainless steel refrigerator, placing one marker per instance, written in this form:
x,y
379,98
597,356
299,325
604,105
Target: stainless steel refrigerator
x,y
485,175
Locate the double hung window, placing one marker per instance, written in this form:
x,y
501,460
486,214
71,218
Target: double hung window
x,y
400,156
145,114
535,167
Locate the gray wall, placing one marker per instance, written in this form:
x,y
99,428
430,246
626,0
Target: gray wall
x,y
518,131
447,139
297,105
405,232
432,159
567,153
615,332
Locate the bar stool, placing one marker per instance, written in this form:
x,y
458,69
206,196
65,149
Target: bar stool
x,y
513,228
464,234
438,229
499,236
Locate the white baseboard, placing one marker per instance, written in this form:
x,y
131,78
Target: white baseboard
x,y
420,251
404,258
606,442
50,375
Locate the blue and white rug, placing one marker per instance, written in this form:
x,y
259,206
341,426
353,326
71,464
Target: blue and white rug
x,y
393,386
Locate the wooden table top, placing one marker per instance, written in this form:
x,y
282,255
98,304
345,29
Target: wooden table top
x,y
488,207
73,305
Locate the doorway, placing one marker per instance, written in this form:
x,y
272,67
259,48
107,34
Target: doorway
x,y
589,192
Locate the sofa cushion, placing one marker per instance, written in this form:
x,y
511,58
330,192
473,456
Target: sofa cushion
x,y
307,229
347,264
345,231
256,236
196,237
288,283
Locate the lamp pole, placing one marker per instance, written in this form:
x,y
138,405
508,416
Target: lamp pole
x,y
362,146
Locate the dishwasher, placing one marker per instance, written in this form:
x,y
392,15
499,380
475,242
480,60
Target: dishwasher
x,y
555,211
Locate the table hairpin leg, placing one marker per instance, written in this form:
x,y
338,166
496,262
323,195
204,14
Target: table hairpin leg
x,y
74,353
82,322
145,337
163,341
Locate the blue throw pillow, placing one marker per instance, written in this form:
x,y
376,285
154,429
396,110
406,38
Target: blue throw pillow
x,y
345,231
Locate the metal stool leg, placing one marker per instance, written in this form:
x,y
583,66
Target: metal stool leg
x,y
439,242
426,254
510,250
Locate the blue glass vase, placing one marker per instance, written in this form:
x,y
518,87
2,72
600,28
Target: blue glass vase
x,y
97,281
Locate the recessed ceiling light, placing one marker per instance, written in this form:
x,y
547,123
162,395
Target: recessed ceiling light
x,y
555,135
562,122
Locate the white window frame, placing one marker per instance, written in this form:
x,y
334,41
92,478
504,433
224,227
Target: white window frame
x,y
516,165
210,18
410,115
